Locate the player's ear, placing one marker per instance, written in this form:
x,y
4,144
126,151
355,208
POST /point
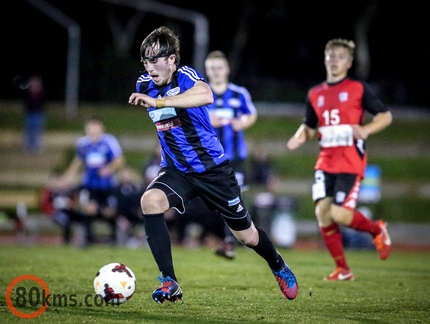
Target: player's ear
x,y
172,58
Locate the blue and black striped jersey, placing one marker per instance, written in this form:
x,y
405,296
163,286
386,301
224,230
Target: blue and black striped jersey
x,y
188,141
233,103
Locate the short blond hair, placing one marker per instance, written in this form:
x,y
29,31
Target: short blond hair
x,y
340,42
216,54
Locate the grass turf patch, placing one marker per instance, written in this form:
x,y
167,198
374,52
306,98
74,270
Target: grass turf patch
x,y
224,291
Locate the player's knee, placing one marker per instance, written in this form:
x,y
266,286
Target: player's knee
x,y
248,237
340,215
249,240
323,215
154,201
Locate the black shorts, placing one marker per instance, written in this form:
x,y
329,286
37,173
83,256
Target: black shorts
x,y
344,188
217,187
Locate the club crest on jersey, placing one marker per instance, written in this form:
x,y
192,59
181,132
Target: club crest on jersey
x,y
173,92
219,102
343,96
320,101
234,201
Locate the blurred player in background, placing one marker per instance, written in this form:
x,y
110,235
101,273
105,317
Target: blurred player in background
x,y
193,162
127,193
100,156
335,109
231,113
34,111
61,204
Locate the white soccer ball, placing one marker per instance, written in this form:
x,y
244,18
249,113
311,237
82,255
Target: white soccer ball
x,y
115,283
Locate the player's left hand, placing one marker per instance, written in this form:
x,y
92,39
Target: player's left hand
x,y
359,132
239,124
141,99
105,171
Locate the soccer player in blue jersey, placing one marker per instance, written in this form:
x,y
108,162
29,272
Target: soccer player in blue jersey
x,y
193,162
231,113
100,156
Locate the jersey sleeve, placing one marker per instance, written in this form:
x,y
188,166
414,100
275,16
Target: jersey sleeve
x,y
79,145
114,145
188,77
142,83
247,107
311,118
371,102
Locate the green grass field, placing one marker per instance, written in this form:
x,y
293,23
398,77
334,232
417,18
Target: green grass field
x,y
222,291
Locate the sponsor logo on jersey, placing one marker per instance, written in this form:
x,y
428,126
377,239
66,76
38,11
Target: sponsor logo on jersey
x,y
226,113
173,92
162,114
166,125
337,135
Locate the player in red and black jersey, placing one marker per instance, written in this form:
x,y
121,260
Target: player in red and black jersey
x,y
335,110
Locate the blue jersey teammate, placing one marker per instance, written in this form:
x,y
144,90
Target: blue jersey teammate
x,y
100,156
231,113
193,162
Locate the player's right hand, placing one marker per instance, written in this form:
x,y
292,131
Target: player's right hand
x,y
294,142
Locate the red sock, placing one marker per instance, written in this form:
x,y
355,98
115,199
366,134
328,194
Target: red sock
x,y
333,241
362,223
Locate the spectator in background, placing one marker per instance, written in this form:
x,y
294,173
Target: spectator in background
x,y
335,109
34,112
99,156
231,112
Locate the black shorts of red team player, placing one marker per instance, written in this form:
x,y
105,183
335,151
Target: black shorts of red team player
x,y
342,187
217,187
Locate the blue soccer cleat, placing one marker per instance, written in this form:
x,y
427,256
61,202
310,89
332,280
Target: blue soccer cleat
x,y
287,281
168,290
